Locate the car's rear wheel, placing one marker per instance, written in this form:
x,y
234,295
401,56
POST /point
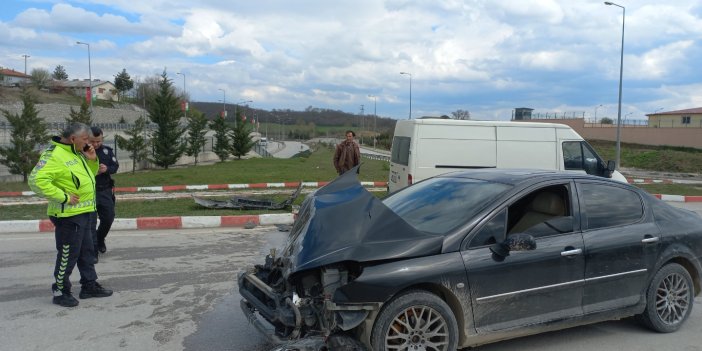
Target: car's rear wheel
x,y
669,299
416,320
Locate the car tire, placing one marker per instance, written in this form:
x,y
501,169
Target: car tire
x,y
402,321
669,299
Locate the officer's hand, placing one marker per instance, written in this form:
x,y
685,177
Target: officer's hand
x,y
89,152
102,168
73,199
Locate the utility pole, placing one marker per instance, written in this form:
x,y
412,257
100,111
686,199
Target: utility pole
x,y
362,110
25,64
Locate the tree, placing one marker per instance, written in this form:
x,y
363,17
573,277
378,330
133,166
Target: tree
x,y
221,146
136,144
197,127
164,111
28,133
59,73
40,77
123,82
460,114
241,138
606,120
83,116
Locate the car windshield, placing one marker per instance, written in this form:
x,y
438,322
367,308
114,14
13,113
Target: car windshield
x,y
438,205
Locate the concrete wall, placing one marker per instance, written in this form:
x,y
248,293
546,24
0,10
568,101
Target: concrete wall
x,y
686,136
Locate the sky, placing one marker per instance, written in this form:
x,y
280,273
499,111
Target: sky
x,y
486,57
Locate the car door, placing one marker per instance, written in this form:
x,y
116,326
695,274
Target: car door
x,y
525,287
621,244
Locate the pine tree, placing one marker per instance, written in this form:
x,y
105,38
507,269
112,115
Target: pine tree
x,y
241,138
123,82
82,116
164,111
28,132
136,144
197,127
59,73
222,146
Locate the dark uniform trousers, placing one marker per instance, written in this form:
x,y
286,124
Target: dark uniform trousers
x,y
105,199
74,244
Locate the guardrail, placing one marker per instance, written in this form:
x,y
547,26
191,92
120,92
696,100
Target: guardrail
x,y
376,157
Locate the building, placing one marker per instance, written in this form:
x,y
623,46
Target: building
x,y
12,78
676,119
102,90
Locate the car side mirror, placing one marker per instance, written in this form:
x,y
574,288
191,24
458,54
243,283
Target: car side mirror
x,y
514,242
611,166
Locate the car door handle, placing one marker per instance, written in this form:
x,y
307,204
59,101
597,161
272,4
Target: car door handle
x,y
571,252
648,240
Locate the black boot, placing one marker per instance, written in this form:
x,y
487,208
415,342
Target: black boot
x,y
101,247
64,297
93,289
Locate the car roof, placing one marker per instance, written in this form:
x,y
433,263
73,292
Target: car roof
x,y
518,176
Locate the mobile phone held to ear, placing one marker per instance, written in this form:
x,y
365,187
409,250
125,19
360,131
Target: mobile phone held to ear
x,y
86,147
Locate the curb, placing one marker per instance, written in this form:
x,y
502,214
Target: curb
x,y
679,198
151,223
167,188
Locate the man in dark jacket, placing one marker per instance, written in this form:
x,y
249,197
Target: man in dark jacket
x,y
347,154
104,187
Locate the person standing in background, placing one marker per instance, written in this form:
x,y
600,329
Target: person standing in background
x,y
347,154
105,190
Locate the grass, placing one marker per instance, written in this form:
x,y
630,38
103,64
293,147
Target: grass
x,y
652,158
672,189
317,167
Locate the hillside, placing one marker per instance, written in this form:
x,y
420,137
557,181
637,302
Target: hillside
x,y
55,107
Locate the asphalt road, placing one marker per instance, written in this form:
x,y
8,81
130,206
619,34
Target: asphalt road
x,y
174,290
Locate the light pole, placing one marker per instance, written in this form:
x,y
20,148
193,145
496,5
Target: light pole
x,y
236,105
224,104
25,67
654,112
185,108
375,117
621,71
90,75
598,106
410,75
627,115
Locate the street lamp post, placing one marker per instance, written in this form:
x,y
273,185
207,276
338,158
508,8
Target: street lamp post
x,y
375,117
184,99
621,71
224,104
90,75
237,105
410,76
25,67
600,105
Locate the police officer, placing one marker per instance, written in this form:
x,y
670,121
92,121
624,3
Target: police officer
x,y
65,175
104,188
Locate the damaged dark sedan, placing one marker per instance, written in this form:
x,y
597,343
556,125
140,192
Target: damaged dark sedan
x,y
473,257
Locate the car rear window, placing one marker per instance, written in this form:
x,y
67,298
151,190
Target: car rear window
x,y
438,205
400,150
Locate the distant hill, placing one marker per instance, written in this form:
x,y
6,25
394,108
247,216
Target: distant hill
x,y
320,117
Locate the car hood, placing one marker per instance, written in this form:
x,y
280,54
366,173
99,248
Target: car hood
x,y
342,221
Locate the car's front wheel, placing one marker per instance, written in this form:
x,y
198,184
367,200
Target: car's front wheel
x,y
669,299
416,320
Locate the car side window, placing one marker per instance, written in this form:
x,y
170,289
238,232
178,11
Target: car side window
x,y
543,212
578,155
492,232
609,206
546,211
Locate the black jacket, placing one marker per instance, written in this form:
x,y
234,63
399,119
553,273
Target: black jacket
x,y
107,157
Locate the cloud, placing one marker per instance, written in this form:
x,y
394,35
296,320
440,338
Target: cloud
x,y
69,19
